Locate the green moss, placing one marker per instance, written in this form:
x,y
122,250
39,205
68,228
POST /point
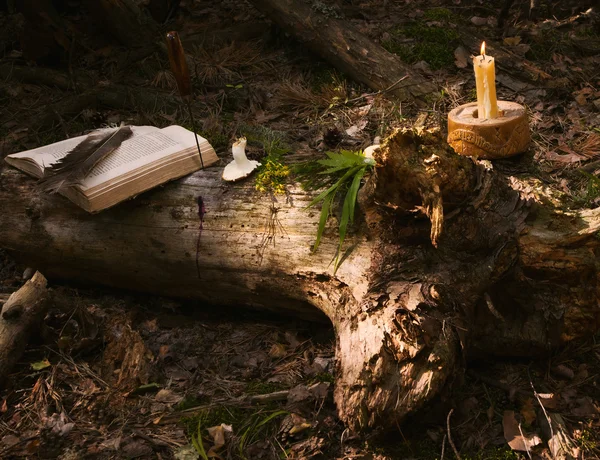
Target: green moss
x,y
432,44
546,44
249,425
190,401
259,387
324,377
589,192
273,142
217,139
440,14
272,173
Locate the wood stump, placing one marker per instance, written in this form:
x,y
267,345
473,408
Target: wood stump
x,y
21,314
505,276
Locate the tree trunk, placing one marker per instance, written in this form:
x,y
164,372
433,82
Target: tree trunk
x,y
501,277
21,314
319,27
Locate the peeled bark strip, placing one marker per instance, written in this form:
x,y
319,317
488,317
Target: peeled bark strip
x,y
505,278
21,314
321,29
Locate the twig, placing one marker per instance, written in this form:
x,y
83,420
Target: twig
x,y
525,442
275,396
443,448
450,435
535,393
377,93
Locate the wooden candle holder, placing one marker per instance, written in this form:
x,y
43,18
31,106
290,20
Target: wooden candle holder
x,y
489,139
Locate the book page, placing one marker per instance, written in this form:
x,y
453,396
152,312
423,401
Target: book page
x,y
184,136
48,154
139,151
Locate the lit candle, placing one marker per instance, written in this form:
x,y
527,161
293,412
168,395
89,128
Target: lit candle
x,y
485,80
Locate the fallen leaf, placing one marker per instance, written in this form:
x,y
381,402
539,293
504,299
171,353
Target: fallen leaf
x,y
357,128
167,397
561,370
512,41
186,453
515,436
111,444
528,411
39,365
549,400
479,21
462,57
278,350
319,390
137,448
292,339
585,407
9,440
581,99
217,433
298,394
570,158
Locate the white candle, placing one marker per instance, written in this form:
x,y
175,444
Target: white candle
x,y
485,80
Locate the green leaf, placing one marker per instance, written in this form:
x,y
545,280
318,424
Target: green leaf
x,y
198,443
353,191
348,210
271,417
148,388
39,365
340,181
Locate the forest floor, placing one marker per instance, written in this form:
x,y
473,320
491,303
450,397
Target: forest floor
x,y
120,375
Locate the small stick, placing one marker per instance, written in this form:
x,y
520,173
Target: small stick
x,y
181,72
450,441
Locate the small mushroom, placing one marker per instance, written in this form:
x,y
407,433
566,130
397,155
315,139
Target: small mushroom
x,y
368,152
240,167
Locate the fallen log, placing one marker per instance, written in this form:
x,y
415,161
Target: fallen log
x,y
503,279
321,29
21,313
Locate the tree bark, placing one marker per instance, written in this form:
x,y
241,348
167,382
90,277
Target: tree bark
x,y
21,313
319,27
503,276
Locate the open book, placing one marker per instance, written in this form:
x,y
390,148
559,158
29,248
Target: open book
x,y
150,157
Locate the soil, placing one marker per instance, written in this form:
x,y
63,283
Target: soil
x,y
120,375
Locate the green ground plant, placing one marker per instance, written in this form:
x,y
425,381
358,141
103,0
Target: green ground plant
x,y
341,173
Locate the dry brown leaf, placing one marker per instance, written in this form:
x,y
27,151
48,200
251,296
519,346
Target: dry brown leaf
x,y
278,350
217,433
561,370
461,56
570,158
168,397
549,400
512,41
528,411
516,438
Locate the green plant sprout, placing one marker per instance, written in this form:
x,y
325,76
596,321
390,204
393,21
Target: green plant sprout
x,y
340,172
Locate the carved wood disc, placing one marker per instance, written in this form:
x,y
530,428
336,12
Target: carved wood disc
x,y
494,138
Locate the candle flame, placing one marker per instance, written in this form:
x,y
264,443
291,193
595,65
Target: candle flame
x,y
482,48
